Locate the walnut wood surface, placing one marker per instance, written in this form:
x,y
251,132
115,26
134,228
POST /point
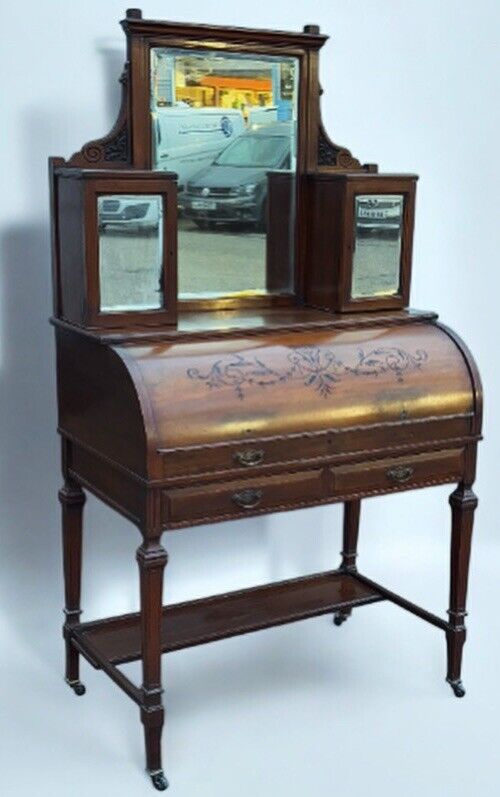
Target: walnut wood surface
x,y
463,504
331,231
196,622
243,411
212,502
129,142
222,323
72,499
77,244
330,412
211,392
290,390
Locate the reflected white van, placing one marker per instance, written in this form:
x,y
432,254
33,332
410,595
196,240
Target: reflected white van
x,y
186,140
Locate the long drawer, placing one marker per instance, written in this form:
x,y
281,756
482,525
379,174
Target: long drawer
x,y
233,498
226,499
251,456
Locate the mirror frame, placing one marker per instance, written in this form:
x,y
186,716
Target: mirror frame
x,y
380,185
166,313
128,144
144,36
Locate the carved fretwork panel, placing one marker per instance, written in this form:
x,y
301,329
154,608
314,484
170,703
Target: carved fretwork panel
x,y
112,150
334,156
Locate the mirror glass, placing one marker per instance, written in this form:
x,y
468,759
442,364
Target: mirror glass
x,y
130,252
226,123
378,221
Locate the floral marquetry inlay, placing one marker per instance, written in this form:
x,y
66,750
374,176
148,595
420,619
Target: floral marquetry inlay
x,y
316,367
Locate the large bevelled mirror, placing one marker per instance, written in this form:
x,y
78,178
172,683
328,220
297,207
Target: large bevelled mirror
x,y
226,123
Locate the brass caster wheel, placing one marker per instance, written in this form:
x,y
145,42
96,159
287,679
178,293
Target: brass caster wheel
x,y
159,780
458,688
339,618
77,687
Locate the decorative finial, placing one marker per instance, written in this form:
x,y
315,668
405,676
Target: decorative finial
x,y
311,29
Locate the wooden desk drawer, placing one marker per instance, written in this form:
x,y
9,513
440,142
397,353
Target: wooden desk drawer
x,y
410,471
226,499
247,457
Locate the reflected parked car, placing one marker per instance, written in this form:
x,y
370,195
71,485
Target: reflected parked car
x,y
379,213
129,213
234,187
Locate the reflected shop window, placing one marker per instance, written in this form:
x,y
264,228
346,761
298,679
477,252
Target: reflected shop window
x,y
378,221
226,124
130,252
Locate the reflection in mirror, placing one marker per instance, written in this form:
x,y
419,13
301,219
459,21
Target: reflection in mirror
x,y
377,245
226,123
130,252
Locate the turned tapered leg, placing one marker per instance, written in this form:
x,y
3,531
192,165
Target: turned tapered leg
x,y
72,500
152,559
349,548
463,503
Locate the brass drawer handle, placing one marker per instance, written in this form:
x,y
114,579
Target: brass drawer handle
x,y
251,456
248,499
400,474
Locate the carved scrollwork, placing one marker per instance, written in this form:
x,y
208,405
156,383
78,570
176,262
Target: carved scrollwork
x,y
116,149
92,152
317,367
334,156
113,148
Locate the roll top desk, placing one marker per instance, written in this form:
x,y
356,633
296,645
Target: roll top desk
x,y
233,339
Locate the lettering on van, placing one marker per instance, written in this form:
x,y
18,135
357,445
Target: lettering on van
x,y
225,126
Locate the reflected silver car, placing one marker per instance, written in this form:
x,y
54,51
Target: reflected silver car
x,y
129,212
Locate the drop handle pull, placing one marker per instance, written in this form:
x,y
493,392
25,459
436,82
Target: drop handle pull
x,y
249,457
400,474
247,499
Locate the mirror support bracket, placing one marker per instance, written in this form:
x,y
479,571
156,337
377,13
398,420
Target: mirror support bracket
x,y
113,150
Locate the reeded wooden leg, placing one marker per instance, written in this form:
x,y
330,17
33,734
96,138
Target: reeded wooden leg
x,y
152,559
349,548
72,500
463,503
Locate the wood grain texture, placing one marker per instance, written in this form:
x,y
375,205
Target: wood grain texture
x,y
331,231
247,406
197,622
292,489
463,504
128,144
79,240
72,499
187,413
294,383
220,322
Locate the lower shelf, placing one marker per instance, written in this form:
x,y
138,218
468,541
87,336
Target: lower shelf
x,y
118,639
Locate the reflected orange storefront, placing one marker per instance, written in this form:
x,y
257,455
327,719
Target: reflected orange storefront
x,y
221,91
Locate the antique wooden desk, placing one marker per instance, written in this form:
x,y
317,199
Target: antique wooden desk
x,y
204,406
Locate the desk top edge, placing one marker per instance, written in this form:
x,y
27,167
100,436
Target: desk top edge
x,y
234,323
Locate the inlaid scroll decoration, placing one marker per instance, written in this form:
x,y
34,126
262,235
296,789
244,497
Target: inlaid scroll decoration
x,y
316,367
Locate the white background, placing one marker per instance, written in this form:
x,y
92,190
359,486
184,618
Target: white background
x,y
308,708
